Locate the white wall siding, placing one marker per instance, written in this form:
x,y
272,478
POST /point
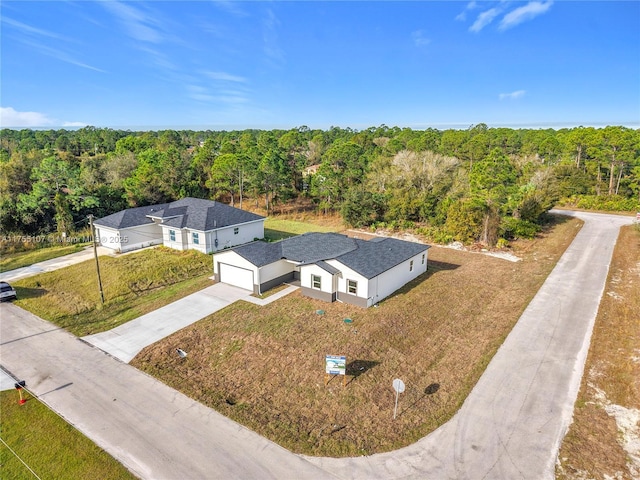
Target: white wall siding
x,y
108,237
348,274
181,238
202,239
388,282
275,270
232,258
128,239
247,232
326,279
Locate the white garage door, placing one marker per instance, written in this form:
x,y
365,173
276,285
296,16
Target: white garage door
x,y
239,277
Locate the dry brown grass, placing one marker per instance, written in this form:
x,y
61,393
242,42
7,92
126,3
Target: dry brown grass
x,y
592,447
264,366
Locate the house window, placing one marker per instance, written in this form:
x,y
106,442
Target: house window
x,y
196,238
236,230
352,287
315,281
411,266
172,235
423,256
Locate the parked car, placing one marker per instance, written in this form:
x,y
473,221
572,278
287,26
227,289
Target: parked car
x,y
7,292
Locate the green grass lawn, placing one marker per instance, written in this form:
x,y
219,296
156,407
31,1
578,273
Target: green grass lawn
x,y
133,285
11,261
279,228
48,445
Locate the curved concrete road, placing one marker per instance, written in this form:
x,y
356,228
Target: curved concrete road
x,y
509,427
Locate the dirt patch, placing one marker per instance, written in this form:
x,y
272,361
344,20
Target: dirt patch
x,y
604,439
264,366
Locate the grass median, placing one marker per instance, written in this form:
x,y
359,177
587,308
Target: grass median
x,y
11,261
133,284
37,441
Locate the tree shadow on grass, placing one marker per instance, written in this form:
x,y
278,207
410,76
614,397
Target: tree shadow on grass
x,y
271,235
24,292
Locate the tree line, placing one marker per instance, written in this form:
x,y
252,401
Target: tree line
x,y
481,184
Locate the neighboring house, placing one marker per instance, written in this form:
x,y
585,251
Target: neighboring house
x,y
329,266
186,224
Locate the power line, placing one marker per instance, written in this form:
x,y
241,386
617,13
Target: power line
x,y
18,457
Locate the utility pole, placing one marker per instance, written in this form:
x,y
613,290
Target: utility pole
x,y
95,254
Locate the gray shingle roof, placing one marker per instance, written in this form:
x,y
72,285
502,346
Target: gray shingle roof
x,y
260,253
192,213
372,258
131,217
313,247
368,258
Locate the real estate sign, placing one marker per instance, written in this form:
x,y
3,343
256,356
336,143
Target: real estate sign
x,y
335,365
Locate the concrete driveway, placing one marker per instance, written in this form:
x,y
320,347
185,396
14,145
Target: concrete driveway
x,y
510,426
127,340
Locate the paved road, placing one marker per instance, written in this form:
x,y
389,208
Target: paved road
x,y
156,432
510,426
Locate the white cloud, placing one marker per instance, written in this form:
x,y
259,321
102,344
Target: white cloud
x,y
462,16
225,77
61,55
226,89
10,118
271,46
230,7
139,25
513,95
524,13
32,37
29,30
484,19
419,39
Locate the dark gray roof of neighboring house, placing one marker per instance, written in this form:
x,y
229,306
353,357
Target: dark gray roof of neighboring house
x,y
368,258
372,258
192,213
131,217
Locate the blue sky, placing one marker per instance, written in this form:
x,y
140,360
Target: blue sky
x,y
253,64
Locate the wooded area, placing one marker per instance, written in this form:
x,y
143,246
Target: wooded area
x,y
482,184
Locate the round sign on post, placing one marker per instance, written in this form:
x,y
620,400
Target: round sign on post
x,y
398,386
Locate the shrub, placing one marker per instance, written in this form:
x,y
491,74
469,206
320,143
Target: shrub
x,y
608,203
502,243
511,228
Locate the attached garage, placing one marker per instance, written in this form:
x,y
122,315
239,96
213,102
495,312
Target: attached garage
x,y
236,276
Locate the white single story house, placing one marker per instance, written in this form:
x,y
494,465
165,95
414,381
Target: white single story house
x,y
186,224
329,266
